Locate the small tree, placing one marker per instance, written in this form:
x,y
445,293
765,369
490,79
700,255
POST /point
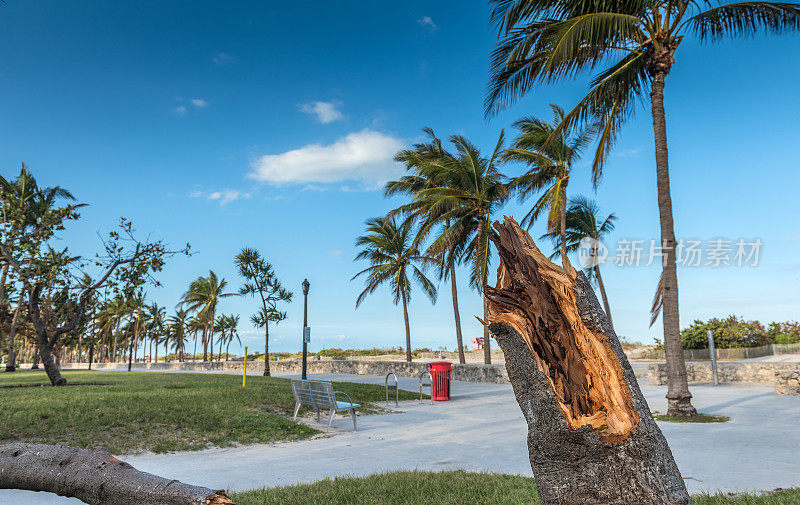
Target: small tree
x,y
126,265
260,279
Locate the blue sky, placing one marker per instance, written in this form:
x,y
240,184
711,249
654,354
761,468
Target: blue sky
x,y
272,124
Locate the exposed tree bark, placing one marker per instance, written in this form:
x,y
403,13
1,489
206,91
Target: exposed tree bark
x,y
602,287
408,328
459,337
678,395
94,477
591,437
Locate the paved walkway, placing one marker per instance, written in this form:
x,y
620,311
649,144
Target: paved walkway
x,y
482,429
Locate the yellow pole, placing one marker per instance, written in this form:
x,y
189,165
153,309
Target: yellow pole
x,y
244,370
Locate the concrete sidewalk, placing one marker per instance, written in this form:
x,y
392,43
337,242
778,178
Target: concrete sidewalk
x,y
482,429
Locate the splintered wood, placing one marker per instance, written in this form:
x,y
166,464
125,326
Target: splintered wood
x,y
536,298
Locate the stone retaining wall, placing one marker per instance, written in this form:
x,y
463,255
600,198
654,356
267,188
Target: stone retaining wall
x,y
468,372
787,382
724,354
727,372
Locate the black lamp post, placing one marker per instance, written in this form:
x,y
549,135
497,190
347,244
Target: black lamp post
x,y
306,329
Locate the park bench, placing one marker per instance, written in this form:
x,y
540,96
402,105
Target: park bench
x,y
320,395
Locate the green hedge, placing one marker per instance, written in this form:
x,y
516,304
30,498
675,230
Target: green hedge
x,y
733,332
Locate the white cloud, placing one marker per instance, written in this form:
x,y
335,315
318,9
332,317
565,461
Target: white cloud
x,y
199,102
179,110
334,338
326,111
427,22
364,156
222,58
226,196
629,153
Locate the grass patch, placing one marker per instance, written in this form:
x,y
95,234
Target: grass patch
x,y
160,412
699,418
449,488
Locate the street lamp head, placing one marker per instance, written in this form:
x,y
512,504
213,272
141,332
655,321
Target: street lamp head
x,y
306,285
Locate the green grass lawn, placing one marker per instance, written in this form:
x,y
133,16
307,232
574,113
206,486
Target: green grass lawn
x,y
699,418
129,412
448,488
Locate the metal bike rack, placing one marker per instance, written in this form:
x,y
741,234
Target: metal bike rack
x,y
430,384
396,389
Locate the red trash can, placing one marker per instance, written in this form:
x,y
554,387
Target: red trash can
x,y
440,385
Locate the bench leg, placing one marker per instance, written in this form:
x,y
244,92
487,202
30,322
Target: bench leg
x,y
296,410
330,417
353,413
317,414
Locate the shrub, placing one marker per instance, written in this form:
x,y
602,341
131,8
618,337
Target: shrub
x,y
730,332
785,333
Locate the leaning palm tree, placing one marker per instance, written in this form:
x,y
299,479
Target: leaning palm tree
x,y
583,220
543,42
389,250
426,163
550,151
474,190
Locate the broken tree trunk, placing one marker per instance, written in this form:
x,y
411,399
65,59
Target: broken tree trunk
x,y
94,477
591,436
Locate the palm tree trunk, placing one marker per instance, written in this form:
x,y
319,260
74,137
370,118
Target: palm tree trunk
x,y
266,349
116,338
459,337
35,358
11,361
408,329
562,211
205,342
603,295
487,351
678,395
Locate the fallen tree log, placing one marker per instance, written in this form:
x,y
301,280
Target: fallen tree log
x,y
94,477
591,436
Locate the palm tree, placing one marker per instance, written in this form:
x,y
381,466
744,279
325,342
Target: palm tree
x,y
177,325
261,282
111,316
389,250
542,42
227,325
156,324
196,326
583,220
425,161
550,151
203,295
475,188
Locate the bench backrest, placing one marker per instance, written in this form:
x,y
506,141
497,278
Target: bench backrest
x,y
313,393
